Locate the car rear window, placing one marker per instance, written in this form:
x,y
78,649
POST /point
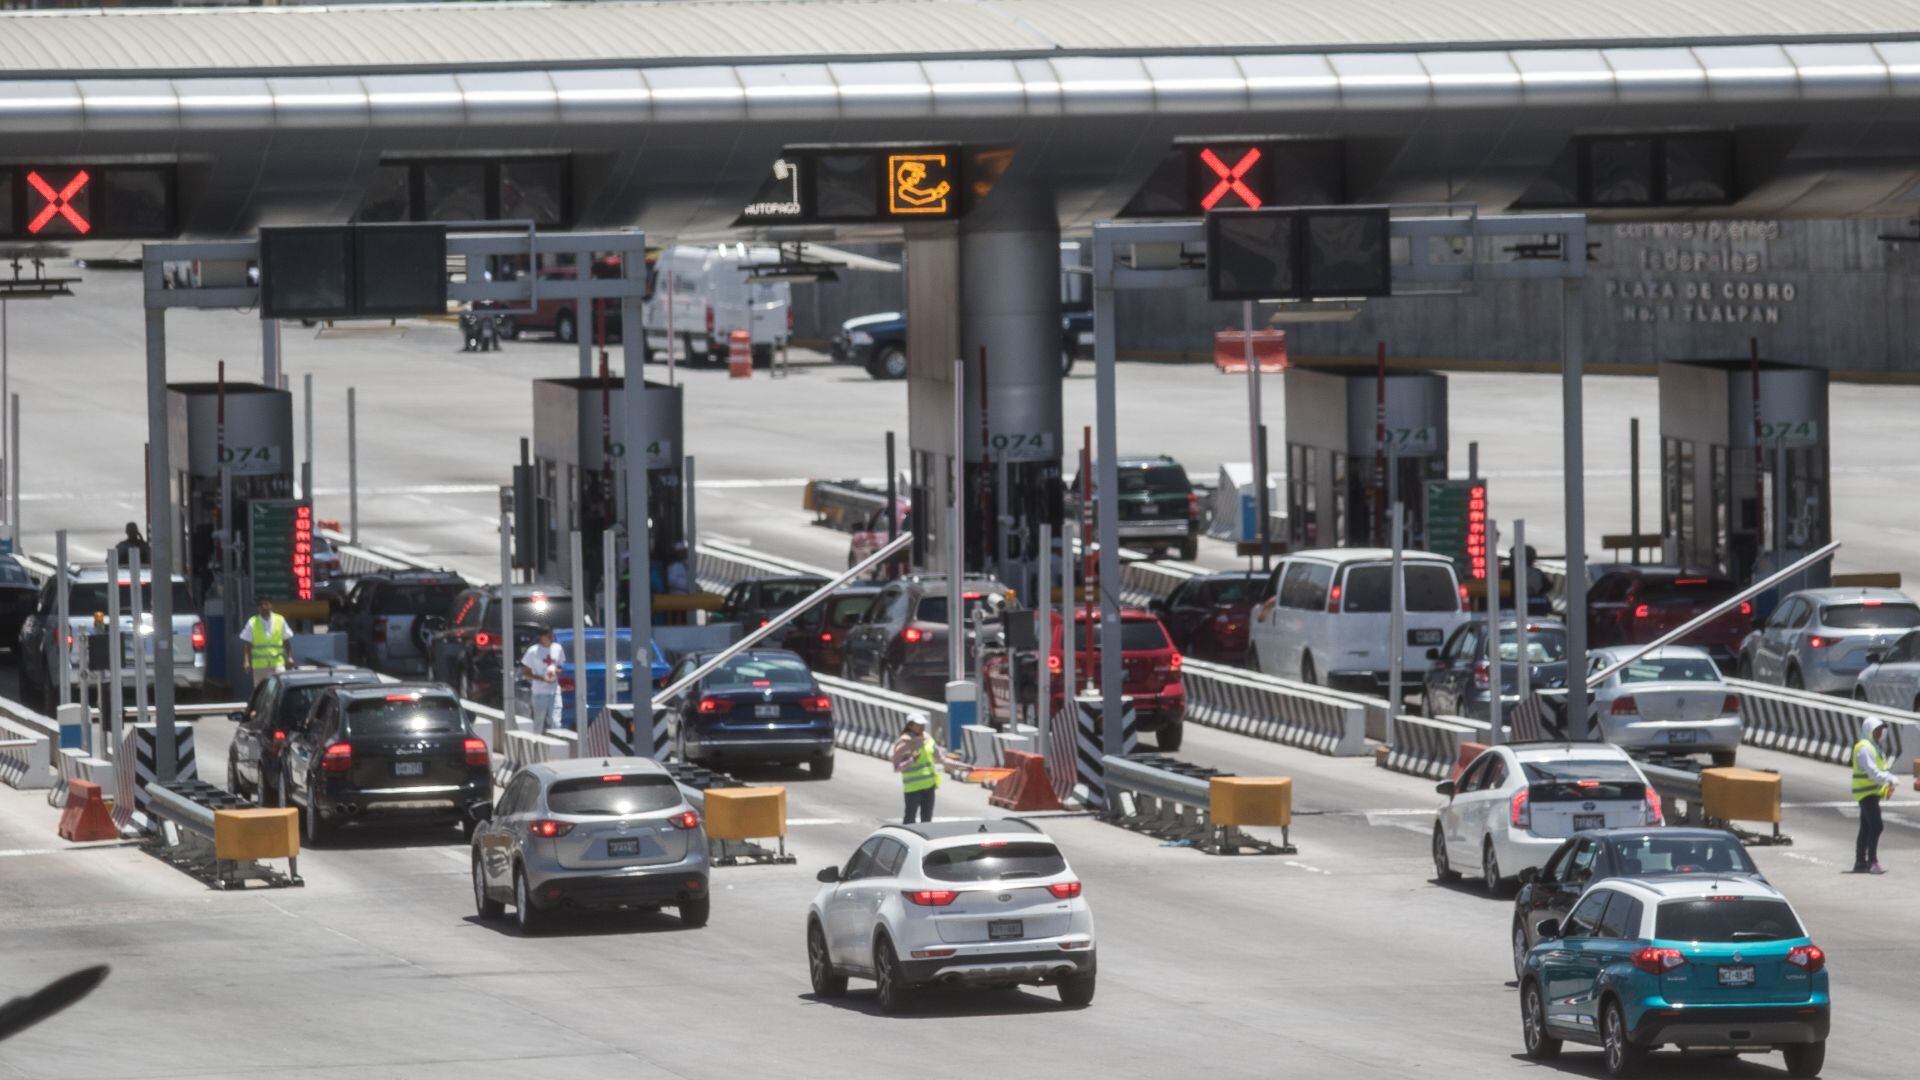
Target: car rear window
x,y
596,648
1587,780
1136,635
86,599
1871,615
844,611
1671,669
404,598
12,573
1657,854
1545,645
933,608
1684,590
994,860
752,672
1726,919
404,714
1155,480
779,596
1429,588
551,611
613,795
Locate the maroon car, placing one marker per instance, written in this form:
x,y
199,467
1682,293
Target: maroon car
x,y
1206,616
1631,605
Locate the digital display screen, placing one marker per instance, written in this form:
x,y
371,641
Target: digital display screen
x,y
1347,252
400,270
1252,256
1287,253
846,186
1202,176
93,202
859,184
281,535
306,272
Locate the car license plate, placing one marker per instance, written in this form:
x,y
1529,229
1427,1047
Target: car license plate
x,y
629,846
767,712
1737,976
1589,821
1008,929
1683,736
1423,637
409,768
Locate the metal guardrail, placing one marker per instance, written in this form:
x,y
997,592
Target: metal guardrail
x,y
866,719
190,807
1819,726
1172,799
1262,707
843,504
357,559
1143,580
719,565
1429,746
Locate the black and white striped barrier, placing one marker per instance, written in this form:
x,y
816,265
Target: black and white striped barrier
x,y
866,719
1143,581
610,733
139,746
74,764
1090,785
1430,745
28,744
1818,726
1263,707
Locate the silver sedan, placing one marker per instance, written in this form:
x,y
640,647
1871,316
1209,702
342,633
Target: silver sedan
x,y
1672,700
592,834
1818,639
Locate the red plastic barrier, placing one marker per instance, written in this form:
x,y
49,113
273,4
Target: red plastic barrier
x,y
86,817
1028,787
1468,751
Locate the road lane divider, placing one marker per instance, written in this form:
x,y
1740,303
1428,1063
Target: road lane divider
x,y
1819,726
221,838
1276,710
1430,746
1026,788
1720,798
85,817
1181,802
140,748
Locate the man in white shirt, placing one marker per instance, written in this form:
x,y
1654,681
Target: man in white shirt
x,y
541,665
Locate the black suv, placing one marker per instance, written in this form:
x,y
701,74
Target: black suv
x,y
1158,507
463,649
388,617
901,640
278,711
399,752
755,600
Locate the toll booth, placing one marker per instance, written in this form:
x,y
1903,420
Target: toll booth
x,y
1723,505
1336,486
247,426
579,454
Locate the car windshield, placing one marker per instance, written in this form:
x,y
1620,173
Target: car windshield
x,y
1155,480
933,607
1429,588
994,860
1670,669
1136,635
1585,779
1870,615
1726,919
297,701
12,573
552,611
754,671
781,595
1545,645
404,714
91,597
1665,591
596,648
613,795
844,611
417,597
1656,854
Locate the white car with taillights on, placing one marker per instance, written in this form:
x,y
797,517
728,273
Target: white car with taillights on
x,y
1671,700
967,903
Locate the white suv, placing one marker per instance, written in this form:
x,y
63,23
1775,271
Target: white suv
x,y
966,903
1515,803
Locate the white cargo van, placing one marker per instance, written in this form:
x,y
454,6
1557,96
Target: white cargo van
x,y
702,294
1326,619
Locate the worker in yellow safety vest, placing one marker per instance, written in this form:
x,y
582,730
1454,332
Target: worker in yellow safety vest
x,y
1872,782
266,636
917,758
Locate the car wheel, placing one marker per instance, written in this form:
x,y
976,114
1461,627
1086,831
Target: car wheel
x,y
1190,549
1490,869
486,907
318,831
1519,949
821,767
1623,1058
1442,866
563,327
528,918
1170,737
1794,681
1076,991
695,913
1307,673
826,981
509,330
1805,1059
889,363
1533,1025
889,983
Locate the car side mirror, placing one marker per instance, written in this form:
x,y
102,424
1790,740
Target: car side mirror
x,y
1873,658
1529,875
1157,606
829,876
1433,654
1444,787
1549,929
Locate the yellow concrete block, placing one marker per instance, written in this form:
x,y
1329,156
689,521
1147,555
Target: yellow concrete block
x,y
746,813
1733,794
265,833
1251,800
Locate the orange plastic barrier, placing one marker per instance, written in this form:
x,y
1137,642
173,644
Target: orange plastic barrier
x,y
86,817
1468,751
1028,787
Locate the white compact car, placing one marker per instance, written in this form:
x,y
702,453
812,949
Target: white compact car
x,y
1671,700
1516,802
963,903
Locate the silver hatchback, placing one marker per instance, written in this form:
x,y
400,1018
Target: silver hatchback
x,y
594,834
1819,639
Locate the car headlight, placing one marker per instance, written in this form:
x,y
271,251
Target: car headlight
x,y
860,337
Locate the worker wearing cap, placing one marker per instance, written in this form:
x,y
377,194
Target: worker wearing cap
x,y
917,758
1872,782
266,636
541,664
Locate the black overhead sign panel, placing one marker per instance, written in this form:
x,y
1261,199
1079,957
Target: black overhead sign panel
x,y
88,202
1299,253
858,184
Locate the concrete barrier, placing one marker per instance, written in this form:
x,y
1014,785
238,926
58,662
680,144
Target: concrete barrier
x,y
719,565
866,719
1277,710
73,764
977,745
524,748
28,742
1429,746
1819,726
1143,581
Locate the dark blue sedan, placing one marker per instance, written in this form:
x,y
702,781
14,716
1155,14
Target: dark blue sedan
x,y
760,707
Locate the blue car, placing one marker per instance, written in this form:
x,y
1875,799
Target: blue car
x,y
596,666
1690,961
761,707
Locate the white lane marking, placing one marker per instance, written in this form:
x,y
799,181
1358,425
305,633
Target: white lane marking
x,y
1803,857
807,821
1297,865
18,852
1837,804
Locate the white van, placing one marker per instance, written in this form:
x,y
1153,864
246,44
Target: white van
x,y
702,294
1326,619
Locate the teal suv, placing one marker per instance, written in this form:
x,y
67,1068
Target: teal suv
x,y
1689,961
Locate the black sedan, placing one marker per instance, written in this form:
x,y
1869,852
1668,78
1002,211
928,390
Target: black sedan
x,y
277,712
761,706
1550,892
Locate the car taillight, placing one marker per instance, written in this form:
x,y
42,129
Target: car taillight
x,y
1064,890
483,640
550,829
819,703
1655,815
1641,611
712,705
1658,961
1810,957
1482,676
1817,642
1177,661
279,737
1625,706
789,321
709,322
1519,812
1333,598
566,683
199,636
1193,505
930,897
913,634
826,636
337,758
1463,596
1746,607
1731,705
685,819
1054,663
477,752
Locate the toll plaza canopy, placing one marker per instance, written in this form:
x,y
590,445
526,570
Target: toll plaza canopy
x,y
1462,100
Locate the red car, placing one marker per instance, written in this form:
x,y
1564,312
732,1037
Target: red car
x,y
1207,616
1150,674
1632,605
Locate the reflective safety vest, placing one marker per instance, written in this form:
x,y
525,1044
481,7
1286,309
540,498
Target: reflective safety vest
x,y
269,646
924,773
1863,784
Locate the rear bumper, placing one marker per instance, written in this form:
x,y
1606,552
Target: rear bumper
x,y
672,884
756,748
1721,734
1736,1026
1162,529
1003,968
471,801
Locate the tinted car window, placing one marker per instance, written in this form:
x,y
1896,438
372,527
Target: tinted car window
x,y
994,861
1657,854
1683,590
12,573
1156,480
1870,616
1622,918
755,672
1136,635
1232,591
1589,779
404,714
1429,588
296,702
933,609
555,611
780,595
1729,919
1670,669
613,795
596,649
1545,645
1585,920
413,598
844,611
